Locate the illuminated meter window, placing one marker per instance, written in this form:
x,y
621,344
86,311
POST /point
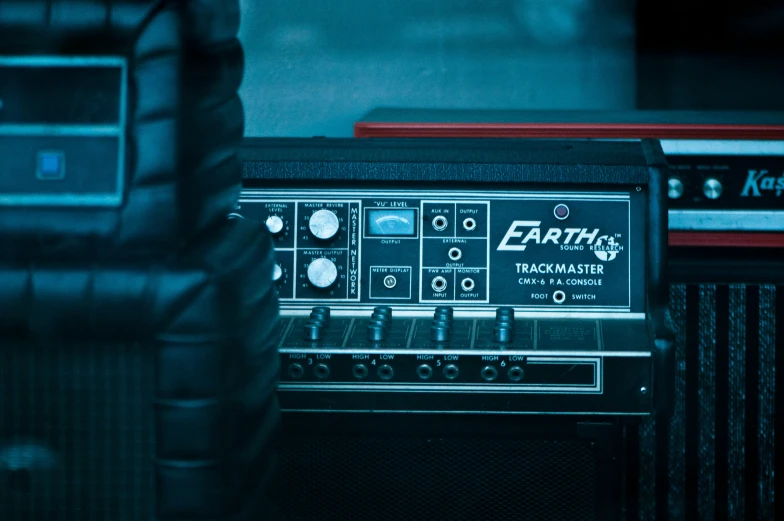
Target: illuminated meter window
x,y
391,223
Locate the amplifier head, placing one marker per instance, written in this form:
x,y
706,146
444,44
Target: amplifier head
x,y
508,277
726,168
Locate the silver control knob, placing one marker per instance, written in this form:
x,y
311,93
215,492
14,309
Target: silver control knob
x,y
274,224
674,188
322,273
712,188
324,224
277,272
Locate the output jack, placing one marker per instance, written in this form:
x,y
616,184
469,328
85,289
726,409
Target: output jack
x,y
559,297
467,284
424,372
469,224
489,373
321,371
515,373
438,284
440,223
360,371
455,254
451,371
385,372
296,371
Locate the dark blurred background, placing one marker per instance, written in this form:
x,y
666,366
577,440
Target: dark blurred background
x,y
315,67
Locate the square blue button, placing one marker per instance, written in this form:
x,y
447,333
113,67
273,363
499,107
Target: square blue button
x,y
51,165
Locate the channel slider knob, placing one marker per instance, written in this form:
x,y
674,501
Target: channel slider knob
x,y
323,224
322,273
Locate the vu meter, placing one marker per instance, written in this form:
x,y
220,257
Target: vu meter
x,y
391,223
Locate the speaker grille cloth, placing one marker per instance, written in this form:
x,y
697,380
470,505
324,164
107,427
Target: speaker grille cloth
x,y
76,436
714,458
408,478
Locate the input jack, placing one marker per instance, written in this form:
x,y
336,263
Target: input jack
x,y
385,372
455,254
489,373
360,371
438,284
321,371
469,224
296,371
424,372
451,372
440,223
559,297
467,284
515,373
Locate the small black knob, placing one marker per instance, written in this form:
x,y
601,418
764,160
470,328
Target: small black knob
x,y
445,317
503,334
320,313
505,323
381,318
376,332
313,330
504,314
383,311
445,310
439,332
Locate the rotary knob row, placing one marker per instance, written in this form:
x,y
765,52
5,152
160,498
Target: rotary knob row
x,y
442,325
504,328
317,323
323,224
379,325
711,188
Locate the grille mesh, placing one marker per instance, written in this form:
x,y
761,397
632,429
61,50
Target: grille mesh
x,y
76,436
714,458
409,478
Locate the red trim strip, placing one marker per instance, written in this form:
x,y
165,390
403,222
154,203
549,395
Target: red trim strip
x,y
729,240
566,130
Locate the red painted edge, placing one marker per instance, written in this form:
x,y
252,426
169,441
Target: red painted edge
x,y
364,129
724,239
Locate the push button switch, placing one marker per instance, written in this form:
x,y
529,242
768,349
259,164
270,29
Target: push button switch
x,y
50,165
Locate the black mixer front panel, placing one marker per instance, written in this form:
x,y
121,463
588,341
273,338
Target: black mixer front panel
x,y
503,364
531,250
428,300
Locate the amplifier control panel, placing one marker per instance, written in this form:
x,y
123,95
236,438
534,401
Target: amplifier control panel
x,y
532,250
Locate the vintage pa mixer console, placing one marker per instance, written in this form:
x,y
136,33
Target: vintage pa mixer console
x,y
503,277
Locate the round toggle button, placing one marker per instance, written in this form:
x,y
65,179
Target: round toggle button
x,y
274,224
561,211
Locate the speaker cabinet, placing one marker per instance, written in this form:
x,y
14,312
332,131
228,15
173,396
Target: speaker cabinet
x,y
713,459
176,425
76,429
447,467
